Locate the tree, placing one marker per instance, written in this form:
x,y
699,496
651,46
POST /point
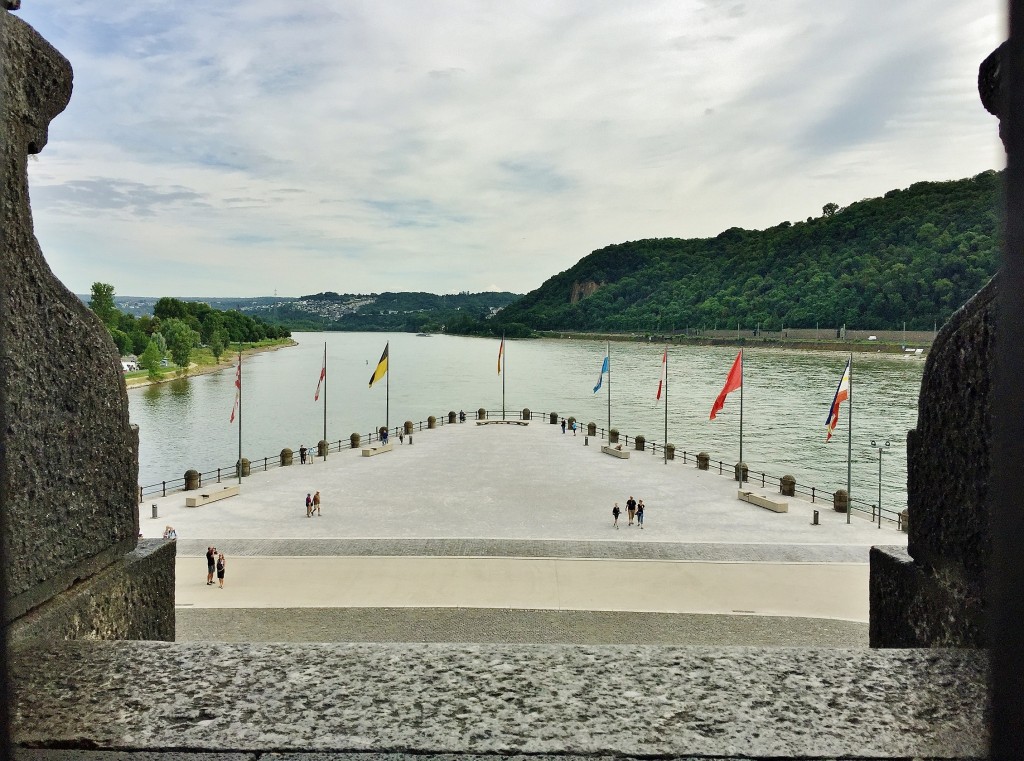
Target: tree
x,y
181,339
150,360
829,209
102,303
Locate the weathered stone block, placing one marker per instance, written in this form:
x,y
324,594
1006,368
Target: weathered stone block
x,y
69,472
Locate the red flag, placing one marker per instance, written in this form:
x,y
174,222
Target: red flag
x,y
323,377
733,382
238,390
501,351
664,367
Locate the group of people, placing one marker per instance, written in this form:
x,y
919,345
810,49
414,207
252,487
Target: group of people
x,y
312,504
634,510
215,562
572,426
305,454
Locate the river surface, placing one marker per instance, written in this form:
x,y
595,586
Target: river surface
x,y
786,394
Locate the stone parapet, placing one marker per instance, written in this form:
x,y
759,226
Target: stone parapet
x,y
129,599
491,700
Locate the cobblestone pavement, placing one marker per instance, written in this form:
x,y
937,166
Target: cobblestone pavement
x,y
502,626
530,548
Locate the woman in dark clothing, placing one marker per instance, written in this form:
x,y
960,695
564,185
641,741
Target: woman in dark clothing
x,y
220,569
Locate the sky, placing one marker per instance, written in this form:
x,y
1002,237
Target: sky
x,y
236,148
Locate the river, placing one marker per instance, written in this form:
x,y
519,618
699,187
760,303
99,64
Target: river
x,y
786,393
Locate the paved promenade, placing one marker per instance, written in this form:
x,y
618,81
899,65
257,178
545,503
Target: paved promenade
x,y
516,517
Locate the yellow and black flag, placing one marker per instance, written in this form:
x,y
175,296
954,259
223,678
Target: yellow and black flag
x,y
382,366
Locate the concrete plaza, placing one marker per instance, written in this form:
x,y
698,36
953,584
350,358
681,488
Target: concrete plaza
x,y
516,517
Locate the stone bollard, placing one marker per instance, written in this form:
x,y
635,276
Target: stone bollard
x,y
554,418
408,427
741,472
481,414
354,440
703,460
243,466
840,500
613,436
639,443
670,451
904,520
431,422
286,456
591,429
382,432
787,485
452,417
569,423
321,448
191,480
527,415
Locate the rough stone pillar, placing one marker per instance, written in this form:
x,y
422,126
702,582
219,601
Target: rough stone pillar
x,y
613,436
670,451
191,480
322,447
287,456
61,386
740,472
553,418
243,467
703,460
527,415
840,500
639,442
591,429
431,422
354,440
408,427
481,414
452,417
787,485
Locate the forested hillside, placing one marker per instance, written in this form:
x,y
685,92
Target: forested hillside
x,y
914,255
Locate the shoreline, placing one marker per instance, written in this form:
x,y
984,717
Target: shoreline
x,y
194,369
874,347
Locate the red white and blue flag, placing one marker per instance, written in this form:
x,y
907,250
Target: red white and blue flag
x,y
842,394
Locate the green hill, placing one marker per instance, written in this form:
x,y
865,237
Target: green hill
x,y
914,255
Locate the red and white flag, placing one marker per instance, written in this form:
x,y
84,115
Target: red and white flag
x,y
733,382
501,353
664,374
238,390
323,377
842,394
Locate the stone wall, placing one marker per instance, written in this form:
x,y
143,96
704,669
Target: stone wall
x,y
69,471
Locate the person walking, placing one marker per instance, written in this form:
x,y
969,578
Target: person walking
x,y
211,560
640,513
316,504
631,508
563,425
221,563
309,504
302,454
615,515
573,426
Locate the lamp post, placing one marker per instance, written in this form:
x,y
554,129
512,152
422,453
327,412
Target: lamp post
x,y
880,447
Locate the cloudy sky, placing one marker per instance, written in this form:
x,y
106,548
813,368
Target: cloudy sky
x,y
237,148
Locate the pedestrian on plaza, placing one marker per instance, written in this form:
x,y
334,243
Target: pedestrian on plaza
x,y
316,504
573,426
631,508
640,513
221,563
302,454
211,560
563,425
615,515
309,504
401,435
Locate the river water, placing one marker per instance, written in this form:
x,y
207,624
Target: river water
x,y
786,393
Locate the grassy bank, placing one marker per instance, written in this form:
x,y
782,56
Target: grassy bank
x,y
203,361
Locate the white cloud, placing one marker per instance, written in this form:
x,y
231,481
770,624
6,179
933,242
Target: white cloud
x,y
244,147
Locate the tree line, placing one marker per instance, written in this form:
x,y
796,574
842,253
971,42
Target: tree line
x,y
176,328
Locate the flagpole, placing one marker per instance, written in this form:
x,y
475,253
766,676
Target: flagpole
x,y
326,447
849,443
741,419
665,447
503,369
608,353
239,412
387,392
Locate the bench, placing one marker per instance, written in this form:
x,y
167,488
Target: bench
x,y
616,451
775,505
379,449
502,422
213,496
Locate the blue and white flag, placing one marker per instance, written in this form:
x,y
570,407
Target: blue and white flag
x,y
600,378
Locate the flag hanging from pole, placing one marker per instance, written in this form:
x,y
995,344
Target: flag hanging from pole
x,y
600,378
733,382
501,352
238,389
323,377
661,381
382,366
842,394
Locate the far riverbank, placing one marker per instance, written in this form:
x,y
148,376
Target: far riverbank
x,y
227,360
